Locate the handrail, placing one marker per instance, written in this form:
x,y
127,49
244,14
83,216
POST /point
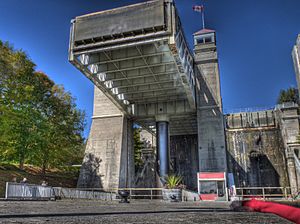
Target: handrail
x,y
116,189
255,188
263,192
133,192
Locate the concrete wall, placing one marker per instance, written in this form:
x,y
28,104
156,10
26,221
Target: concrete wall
x,y
288,116
211,141
108,161
211,73
184,158
256,157
120,21
251,119
262,147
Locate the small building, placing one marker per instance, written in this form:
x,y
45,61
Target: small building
x,y
212,186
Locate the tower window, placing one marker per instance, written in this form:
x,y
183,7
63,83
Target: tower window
x,y
208,39
200,41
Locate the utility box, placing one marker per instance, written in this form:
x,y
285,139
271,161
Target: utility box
x,y
212,186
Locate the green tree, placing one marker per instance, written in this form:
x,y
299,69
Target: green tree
x,y
39,121
16,102
289,95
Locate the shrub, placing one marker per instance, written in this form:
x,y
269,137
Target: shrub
x,y
173,181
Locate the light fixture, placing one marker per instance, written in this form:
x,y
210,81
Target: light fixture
x,y
121,96
102,76
115,90
109,84
126,102
94,68
84,59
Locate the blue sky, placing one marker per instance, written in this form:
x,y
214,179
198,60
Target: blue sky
x,y
254,39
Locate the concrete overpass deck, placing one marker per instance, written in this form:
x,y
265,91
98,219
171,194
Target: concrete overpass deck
x,y
138,57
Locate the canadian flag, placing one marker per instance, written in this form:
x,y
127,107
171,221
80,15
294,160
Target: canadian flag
x,y
198,8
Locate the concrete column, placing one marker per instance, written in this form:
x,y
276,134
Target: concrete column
x,y
291,168
289,126
292,175
126,173
163,149
108,161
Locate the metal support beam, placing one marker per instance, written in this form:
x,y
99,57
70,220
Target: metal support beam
x,y
160,74
98,62
139,67
162,130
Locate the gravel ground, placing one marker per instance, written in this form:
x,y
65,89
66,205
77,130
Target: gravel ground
x,y
77,211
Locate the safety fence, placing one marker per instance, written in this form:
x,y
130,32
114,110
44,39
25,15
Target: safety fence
x,y
266,193
28,191
108,194
75,193
144,193
37,192
112,194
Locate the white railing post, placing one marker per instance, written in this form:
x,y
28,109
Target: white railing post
x,y
6,190
285,193
242,193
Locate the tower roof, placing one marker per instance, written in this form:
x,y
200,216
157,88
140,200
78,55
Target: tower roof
x,y
203,31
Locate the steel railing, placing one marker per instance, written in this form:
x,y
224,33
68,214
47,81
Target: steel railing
x,y
144,193
107,194
264,192
37,192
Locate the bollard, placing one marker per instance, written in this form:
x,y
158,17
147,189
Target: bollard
x,y
124,196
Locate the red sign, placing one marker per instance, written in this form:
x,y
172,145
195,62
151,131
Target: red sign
x,y
210,175
208,197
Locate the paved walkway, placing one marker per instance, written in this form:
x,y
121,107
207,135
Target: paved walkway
x,y
144,212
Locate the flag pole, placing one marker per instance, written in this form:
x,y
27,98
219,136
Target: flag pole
x,y
200,8
203,24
